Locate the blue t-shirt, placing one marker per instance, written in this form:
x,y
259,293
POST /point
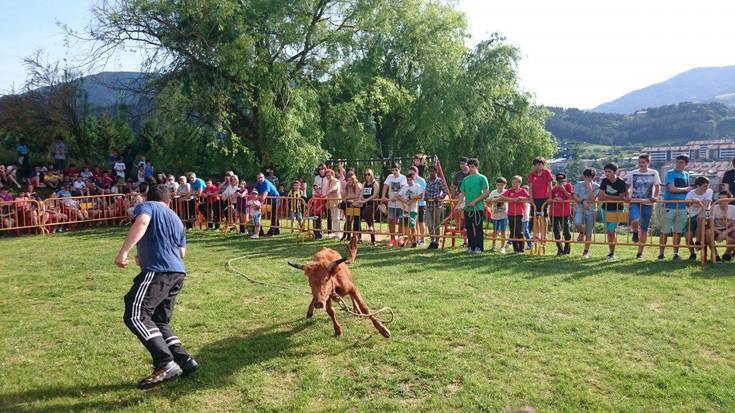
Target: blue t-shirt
x,y
158,250
197,185
266,187
22,150
680,179
148,171
422,183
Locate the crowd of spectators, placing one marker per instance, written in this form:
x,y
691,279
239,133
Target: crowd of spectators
x,y
411,204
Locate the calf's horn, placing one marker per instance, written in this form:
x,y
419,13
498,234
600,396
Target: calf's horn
x,y
333,265
296,265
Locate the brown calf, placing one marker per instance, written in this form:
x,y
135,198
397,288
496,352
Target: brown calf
x,y
330,278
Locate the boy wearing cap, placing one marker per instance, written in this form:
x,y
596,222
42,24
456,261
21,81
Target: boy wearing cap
x,y
561,212
612,192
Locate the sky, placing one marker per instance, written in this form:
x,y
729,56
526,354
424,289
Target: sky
x,y
576,53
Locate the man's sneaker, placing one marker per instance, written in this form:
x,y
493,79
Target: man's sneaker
x,y
477,251
169,372
676,257
502,250
726,257
492,249
585,254
559,253
414,245
639,256
611,257
692,257
189,367
661,257
254,236
718,259
635,236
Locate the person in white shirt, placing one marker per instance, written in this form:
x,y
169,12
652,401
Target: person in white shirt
x,y
409,196
320,184
700,196
391,187
723,215
120,168
643,189
499,213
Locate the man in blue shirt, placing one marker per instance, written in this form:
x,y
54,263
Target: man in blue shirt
x,y
269,194
196,188
24,159
676,187
149,305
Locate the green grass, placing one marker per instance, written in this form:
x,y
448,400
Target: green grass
x,y
471,333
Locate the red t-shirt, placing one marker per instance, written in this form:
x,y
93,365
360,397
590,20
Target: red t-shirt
x,y
561,209
516,208
210,190
540,184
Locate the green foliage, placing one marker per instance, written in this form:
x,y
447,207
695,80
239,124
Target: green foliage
x,y
685,121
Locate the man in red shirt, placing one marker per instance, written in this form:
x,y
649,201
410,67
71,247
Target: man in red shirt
x,y
539,185
561,212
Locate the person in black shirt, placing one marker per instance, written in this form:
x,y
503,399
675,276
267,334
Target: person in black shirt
x,y
728,181
612,193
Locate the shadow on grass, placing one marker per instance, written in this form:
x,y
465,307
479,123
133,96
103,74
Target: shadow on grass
x,y
219,362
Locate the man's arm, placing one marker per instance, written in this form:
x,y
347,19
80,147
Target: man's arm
x,y
182,252
137,230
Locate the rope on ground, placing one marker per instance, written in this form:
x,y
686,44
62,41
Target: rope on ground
x,y
342,305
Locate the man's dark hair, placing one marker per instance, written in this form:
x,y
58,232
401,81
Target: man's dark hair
x,y
463,159
396,165
432,168
701,181
501,180
410,175
611,166
539,160
725,194
561,176
683,158
159,193
589,172
645,156
474,162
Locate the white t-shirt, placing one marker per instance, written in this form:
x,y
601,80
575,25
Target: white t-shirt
x,y
79,185
320,184
86,174
642,183
500,209
394,186
720,216
411,191
694,210
120,169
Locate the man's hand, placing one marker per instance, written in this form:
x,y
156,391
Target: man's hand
x,y
472,204
122,259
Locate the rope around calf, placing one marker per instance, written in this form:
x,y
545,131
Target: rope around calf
x,y
342,305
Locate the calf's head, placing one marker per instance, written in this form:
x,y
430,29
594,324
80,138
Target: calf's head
x,y
320,274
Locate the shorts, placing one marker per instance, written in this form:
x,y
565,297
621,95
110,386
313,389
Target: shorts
x,y
610,227
409,218
422,213
675,221
298,216
500,224
541,207
642,213
395,213
694,225
585,218
255,219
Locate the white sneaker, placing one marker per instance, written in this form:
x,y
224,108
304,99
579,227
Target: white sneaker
x,y
502,250
254,236
611,257
492,249
586,255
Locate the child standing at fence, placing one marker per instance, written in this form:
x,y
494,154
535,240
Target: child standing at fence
x,y
409,196
585,193
499,213
700,199
254,206
392,185
296,204
526,220
561,212
612,193
676,187
517,199
436,191
643,186
539,184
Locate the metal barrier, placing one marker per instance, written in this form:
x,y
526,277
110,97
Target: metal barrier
x,y
695,226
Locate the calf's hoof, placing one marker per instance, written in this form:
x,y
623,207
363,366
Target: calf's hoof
x,y
337,333
309,315
384,332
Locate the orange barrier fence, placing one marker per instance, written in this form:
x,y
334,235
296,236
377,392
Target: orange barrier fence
x,y
692,224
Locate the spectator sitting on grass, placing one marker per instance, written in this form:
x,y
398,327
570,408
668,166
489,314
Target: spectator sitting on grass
x,y
723,215
700,196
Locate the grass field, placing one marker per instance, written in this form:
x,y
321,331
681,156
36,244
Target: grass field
x,y
471,333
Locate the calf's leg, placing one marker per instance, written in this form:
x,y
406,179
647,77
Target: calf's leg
x,y
356,297
310,311
333,316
